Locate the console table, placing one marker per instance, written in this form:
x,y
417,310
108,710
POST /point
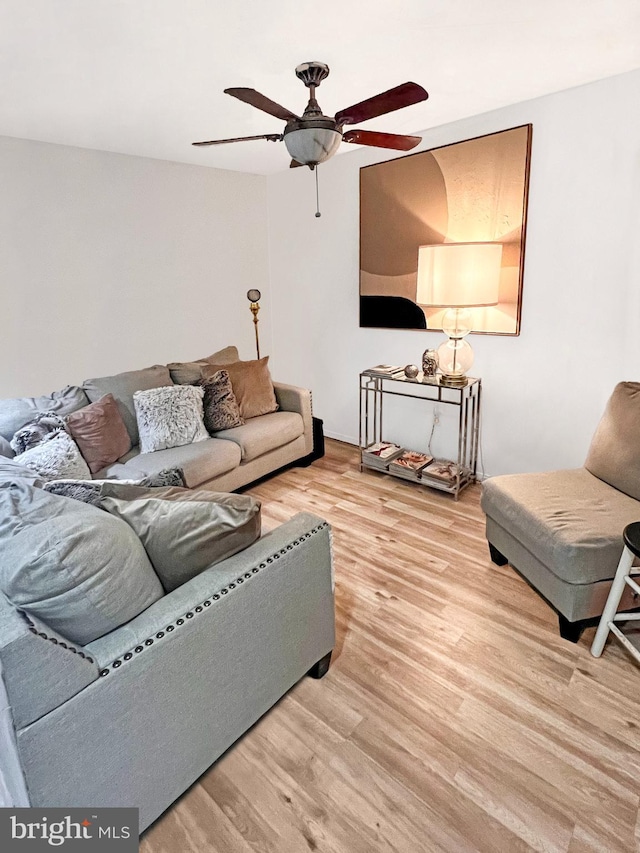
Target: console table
x,y
374,388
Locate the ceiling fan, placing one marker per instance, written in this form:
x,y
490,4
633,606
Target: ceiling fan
x,y
313,137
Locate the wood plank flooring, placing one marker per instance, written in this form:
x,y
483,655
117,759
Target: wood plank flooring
x,y
453,718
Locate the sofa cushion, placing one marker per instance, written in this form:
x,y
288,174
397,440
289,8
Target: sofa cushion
x,y
5,448
169,417
12,471
199,462
223,356
56,457
252,386
100,432
184,531
15,413
123,386
265,433
221,410
614,455
570,520
187,372
77,568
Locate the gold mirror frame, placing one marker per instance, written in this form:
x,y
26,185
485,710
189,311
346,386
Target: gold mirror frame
x,y
471,191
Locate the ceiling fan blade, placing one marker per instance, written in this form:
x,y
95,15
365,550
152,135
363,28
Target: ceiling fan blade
x,y
255,99
381,140
386,102
272,137
294,164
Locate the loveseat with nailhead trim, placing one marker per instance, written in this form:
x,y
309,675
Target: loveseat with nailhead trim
x,y
134,717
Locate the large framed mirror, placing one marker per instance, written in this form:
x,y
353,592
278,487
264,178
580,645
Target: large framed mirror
x,y
471,192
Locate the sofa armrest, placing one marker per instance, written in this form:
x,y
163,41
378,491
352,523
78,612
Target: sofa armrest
x,y
293,399
172,612
40,668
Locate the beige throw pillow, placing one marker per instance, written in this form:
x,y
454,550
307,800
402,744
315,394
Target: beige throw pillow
x,y
184,531
223,356
252,386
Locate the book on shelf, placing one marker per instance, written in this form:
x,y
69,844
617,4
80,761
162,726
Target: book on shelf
x,y
379,455
384,370
442,469
410,463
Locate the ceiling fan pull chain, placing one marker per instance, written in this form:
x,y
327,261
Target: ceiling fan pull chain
x,y
317,195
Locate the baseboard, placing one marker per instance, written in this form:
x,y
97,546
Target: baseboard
x,y
346,439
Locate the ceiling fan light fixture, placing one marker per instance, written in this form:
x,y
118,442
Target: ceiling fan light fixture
x,y
312,145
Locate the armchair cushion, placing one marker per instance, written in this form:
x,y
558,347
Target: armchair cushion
x,y
614,455
570,520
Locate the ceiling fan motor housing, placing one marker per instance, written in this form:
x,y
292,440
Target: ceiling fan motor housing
x,y
312,73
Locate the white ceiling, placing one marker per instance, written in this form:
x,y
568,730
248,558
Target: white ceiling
x,y
146,77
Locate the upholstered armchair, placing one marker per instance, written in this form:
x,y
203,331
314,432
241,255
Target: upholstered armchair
x,y
562,530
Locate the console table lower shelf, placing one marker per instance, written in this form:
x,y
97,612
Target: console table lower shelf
x,y
377,453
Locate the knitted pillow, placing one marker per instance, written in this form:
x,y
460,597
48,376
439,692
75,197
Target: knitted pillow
x,y
57,457
221,409
169,417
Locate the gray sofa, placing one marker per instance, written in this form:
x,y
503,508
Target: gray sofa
x,y
562,530
124,674
226,462
134,717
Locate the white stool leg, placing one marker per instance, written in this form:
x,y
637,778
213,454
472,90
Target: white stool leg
x,y
611,607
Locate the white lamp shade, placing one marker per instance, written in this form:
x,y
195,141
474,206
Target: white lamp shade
x,y
458,275
312,145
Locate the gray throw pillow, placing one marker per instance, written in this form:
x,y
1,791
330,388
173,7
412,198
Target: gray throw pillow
x,y
80,570
15,413
123,386
221,410
185,531
88,493
169,417
36,431
55,458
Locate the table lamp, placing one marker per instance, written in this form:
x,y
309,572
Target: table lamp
x,y
458,276
254,296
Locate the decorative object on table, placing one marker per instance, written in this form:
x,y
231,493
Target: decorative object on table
x,y
429,362
254,297
458,276
411,371
442,469
409,464
473,190
380,454
383,370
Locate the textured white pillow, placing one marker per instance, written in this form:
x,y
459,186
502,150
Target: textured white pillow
x,y
58,456
169,416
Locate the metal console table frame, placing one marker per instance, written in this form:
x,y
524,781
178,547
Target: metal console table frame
x,y
374,388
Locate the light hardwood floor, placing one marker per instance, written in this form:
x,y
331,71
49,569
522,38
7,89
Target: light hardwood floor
x,y
453,717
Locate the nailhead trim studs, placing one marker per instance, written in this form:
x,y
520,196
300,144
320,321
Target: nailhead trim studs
x,y
215,597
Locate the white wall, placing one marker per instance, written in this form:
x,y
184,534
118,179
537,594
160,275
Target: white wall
x,y
110,263
544,391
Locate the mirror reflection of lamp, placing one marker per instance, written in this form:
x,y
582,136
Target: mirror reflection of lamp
x,y
254,297
458,276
